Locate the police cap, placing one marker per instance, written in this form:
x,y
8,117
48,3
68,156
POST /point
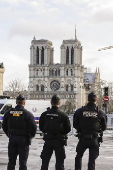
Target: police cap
x,y
20,97
92,96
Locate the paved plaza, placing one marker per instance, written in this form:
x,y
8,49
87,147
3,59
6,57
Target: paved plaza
x,y
104,161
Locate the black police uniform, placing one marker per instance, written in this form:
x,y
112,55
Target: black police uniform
x,y
54,140
89,122
20,127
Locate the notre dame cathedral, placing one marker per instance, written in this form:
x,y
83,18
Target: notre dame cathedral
x,y
68,78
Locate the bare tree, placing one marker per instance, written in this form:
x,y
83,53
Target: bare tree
x,y
69,106
110,93
15,87
100,92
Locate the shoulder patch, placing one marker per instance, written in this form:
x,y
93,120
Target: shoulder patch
x,y
16,113
54,115
90,114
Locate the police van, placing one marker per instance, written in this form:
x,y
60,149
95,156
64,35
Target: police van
x,y
36,107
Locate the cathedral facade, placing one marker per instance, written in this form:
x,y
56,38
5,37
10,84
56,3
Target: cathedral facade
x,y
65,78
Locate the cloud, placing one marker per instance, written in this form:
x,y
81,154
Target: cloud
x,y
38,11
78,2
14,2
104,15
99,11
30,28
34,6
64,2
15,67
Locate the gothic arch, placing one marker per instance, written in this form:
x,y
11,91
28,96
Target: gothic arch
x,y
67,87
37,71
72,55
72,88
42,55
43,72
37,55
37,87
67,55
58,72
71,72
67,72
50,72
42,87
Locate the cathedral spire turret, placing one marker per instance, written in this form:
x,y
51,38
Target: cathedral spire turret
x,y
34,38
75,33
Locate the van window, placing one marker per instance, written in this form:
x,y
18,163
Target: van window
x,y
6,107
1,105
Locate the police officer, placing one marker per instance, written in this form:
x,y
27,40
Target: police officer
x,y
55,125
89,122
19,126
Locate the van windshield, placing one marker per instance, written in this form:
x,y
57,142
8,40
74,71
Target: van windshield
x,y
1,105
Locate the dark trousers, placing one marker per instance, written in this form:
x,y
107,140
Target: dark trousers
x,y
93,146
18,145
48,148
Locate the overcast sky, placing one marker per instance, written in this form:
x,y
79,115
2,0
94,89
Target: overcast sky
x,y
55,20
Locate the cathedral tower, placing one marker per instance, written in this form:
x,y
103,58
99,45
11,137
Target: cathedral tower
x,y
71,51
41,52
41,56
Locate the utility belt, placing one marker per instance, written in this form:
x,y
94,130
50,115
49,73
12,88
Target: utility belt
x,y
99,136
87,136
63,138
53,136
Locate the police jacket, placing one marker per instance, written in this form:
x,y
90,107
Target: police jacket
x,y
89,119
54,122
19,121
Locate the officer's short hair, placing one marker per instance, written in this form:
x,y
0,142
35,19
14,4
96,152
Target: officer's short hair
x,y
20,99
55,100
48,108
92,97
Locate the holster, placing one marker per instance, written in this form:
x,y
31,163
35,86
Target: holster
x,y
78,135
63,139
100,137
